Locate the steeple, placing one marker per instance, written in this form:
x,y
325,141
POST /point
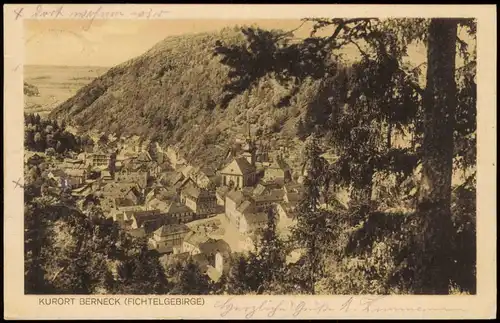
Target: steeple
x,y
249,147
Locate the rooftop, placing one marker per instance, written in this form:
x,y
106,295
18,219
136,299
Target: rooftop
x,y
235,196
239,166
213,246
114,189
273,195
196,239
169,229
245,207
144,216
195,192
256,218
175,208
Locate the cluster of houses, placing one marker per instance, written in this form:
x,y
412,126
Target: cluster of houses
x,y
155,197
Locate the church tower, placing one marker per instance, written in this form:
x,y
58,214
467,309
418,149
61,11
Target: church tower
x,y
249,148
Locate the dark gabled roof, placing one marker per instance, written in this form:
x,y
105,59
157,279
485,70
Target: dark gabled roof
x,y
158,204
139,178
117,190
273,195
168,229
196,238
175,208
235,196
213,246
195,192
145,216
245,207
256,218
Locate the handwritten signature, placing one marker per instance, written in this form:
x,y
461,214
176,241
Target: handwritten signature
x,y
272,308
90,13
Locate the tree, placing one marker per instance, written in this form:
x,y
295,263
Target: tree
x,y
437,159
189,280
311,229
366,102
39,142
245,275
29,139
301,129
271,255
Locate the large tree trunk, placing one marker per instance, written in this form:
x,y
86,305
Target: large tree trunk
x,y
435,187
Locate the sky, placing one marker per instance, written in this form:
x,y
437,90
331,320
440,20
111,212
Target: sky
x,y
111,42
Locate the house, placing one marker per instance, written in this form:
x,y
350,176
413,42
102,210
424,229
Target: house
x,y
263,201
161,193
157,204
106,176
122,208
233,200
180,212
222,262
139,178
220,195
192,242
200,201
71,179
124,190
238,174
207,252
243,213
277,171
168,237
251,222
203,178
293,193
84,190
150,220
71,161
77,176
98,159
179,185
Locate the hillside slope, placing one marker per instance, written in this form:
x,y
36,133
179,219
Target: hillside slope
x,y
173,93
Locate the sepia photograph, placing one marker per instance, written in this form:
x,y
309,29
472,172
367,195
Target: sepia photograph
x,y
314,156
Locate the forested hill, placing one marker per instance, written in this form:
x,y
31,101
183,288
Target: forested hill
x,y
175,93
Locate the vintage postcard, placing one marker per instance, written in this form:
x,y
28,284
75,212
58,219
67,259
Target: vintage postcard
x,y
249,161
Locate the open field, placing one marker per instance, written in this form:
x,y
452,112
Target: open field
x,y
56,84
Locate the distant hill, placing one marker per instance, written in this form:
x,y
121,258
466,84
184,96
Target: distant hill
x,y
47,86
173,93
